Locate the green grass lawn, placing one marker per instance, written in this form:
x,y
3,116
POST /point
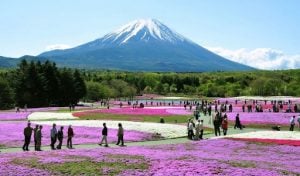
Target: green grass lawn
x,y
266,126
85,165
139,118
65,109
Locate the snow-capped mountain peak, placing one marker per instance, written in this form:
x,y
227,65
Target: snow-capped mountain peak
x,y
143,45
143,29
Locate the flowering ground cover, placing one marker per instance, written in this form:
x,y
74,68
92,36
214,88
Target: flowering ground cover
x,y
11,134
263,118
284,135
165,130
7,116
50,116
43,109
208,157
272,137
271,141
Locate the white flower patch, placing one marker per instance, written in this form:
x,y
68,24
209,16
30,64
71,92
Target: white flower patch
x,y
290,135
166,130
163,107
50,116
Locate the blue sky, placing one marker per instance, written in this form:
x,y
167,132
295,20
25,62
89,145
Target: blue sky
x,y
224,26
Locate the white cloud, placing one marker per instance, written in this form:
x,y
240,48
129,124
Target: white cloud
x,y
262,58
57,46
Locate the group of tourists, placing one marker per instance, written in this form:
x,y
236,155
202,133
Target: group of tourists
x,y
58,135
54,135
220,122
120,135
197,127
257,106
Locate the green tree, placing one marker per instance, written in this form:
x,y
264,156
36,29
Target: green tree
x,y
6,95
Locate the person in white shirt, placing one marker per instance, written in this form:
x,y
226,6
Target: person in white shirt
x,y
190,129
292,123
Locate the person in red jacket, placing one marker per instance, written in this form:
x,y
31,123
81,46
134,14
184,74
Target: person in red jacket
x,y
225,126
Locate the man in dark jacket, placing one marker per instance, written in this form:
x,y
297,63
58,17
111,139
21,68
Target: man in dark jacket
x,y
104,135
34,136
238,122
70,136
27,135
120,135
217,126
39,138
60,137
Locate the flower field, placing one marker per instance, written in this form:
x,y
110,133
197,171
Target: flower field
x,y
263,118
11,134
242,152
51,116
166,130
147,111
7,116
289,135
209,157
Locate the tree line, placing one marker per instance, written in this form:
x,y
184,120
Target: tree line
x,y
209,84
37,84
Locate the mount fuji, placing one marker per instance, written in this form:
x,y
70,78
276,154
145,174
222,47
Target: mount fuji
x,y
143,45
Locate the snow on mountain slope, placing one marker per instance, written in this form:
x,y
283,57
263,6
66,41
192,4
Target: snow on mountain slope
x,y
143,30
148,27
143,45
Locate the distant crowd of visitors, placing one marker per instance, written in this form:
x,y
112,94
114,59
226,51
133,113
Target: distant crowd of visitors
x,y
195,125
58,135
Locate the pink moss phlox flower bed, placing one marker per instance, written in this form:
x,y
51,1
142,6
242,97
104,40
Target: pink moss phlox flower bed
x,y
11,134
271,141
43,109
209,157
179,111
6,116
22,115
266,118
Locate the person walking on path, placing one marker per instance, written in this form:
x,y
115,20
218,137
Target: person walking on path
x,y
120,135
225,126
217,126
197,135
27,135
298,121
39,138
238,122
34,136
104,135
60,137
70,137
53,135
292,123
201,129
190,129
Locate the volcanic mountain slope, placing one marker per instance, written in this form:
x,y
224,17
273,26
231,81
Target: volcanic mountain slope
x,y
143,45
